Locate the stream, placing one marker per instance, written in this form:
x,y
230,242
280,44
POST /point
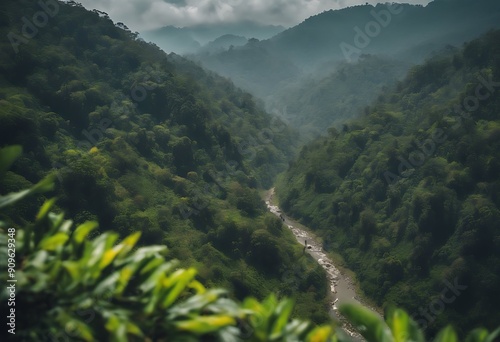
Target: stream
x,y
342,289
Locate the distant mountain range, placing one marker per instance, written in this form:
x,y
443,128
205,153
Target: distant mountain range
x,y
190,39
223,43
312,51
297,68
348,33
387,30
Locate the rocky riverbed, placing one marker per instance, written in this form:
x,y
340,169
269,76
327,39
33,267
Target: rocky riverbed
x,y
341,286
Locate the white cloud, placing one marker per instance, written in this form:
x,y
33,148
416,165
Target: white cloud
x,y
148,14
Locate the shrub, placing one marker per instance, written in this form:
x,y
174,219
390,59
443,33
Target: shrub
x,y
99,289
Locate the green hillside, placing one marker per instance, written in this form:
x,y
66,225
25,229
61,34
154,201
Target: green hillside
x,y
161,167
408,194
394,30
64,284
142,141
313,105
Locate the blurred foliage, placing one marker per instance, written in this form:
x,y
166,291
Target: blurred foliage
x,y
71,286
74,287
408,194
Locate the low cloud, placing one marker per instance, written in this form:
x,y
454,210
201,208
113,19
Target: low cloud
x,y
143,15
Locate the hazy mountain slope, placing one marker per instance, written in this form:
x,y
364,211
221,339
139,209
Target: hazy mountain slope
x,y
189,39
144,141
223,43
319,38
252,67
317,103
406,33
409,194
173,39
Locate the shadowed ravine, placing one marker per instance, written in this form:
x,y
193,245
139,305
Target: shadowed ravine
x,y
342,289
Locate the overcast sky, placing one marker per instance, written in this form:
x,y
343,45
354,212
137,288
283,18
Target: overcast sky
x,y
141,15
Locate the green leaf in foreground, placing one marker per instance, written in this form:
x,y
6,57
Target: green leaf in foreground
x,y
371,326
403,327
8,156
447,335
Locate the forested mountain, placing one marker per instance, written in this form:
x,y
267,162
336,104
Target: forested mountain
x,y
224,42
408,194
317,102
307,58
156,160
171,38
142,141
182,40
388,30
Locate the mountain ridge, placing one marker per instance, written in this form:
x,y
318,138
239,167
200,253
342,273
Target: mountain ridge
x,y
189,39
408,194
410,34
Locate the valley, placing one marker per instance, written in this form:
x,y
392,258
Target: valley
x,y
342,288
241,180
